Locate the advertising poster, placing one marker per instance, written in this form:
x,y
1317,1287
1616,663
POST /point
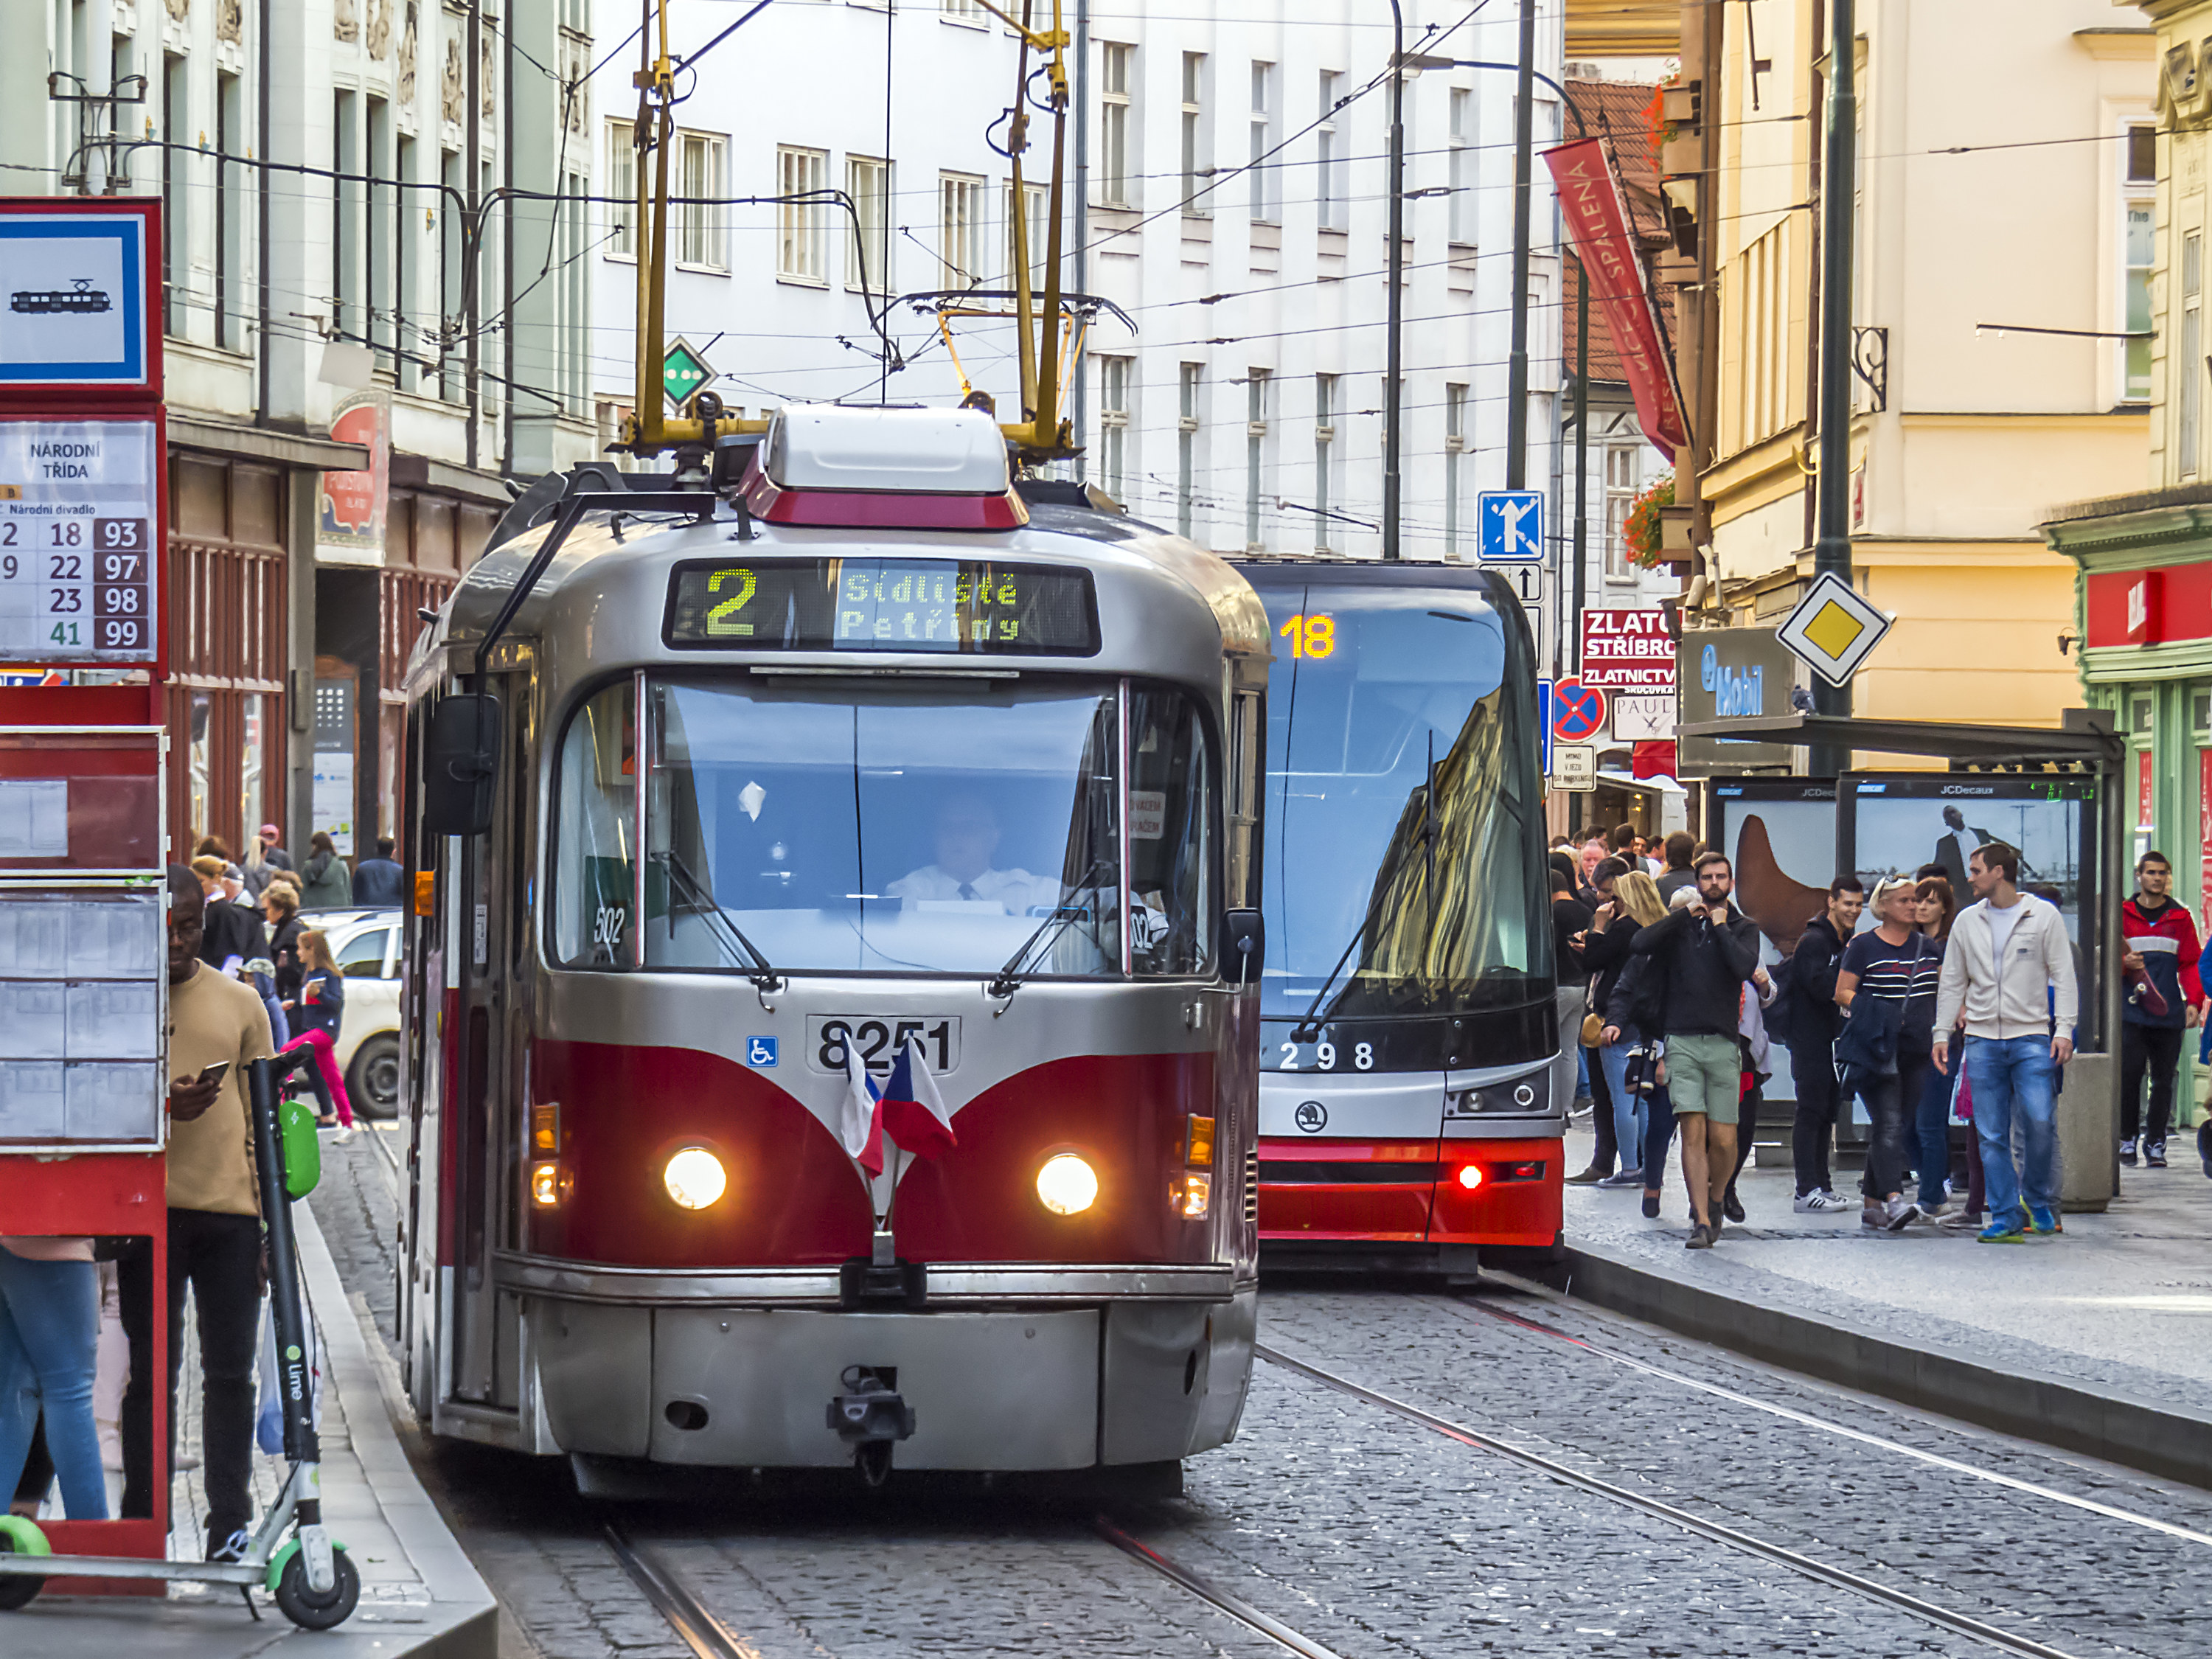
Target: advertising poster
x,y
1780,837
351,528
1903,822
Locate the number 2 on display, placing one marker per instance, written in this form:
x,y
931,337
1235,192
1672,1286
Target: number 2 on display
x,y
1310,637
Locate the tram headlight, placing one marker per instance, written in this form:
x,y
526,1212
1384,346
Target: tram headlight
x,y
1192,1195
1066,1185
550,1184
695,1178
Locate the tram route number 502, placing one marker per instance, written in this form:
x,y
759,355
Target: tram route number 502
x,y
878,1040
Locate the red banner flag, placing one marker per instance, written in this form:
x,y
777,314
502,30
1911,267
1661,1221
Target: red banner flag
x,y
1597,221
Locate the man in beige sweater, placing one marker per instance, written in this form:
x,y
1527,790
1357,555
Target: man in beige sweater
x,y
215,1230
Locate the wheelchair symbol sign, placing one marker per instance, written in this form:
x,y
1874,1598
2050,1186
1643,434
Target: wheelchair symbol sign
x,y
760,1051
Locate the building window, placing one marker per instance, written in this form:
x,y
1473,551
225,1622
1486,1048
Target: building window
x,y
1258,405
230,201
1188,387
1461,162
1114,163
1619,496
1036,224
964,11
622,188
1455,448
959,228
2139,253
1324,442
1194,162
1329,171
1264,208
868,254
1114,425
176,263
799,224
697,222
346,320
2191,368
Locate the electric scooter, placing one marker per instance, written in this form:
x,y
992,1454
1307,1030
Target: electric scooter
x,y
314,1584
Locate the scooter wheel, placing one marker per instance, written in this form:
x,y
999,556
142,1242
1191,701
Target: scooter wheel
x,y
18,1535
310,1611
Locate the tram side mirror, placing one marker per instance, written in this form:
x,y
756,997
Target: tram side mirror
x,y
1243,943
460,762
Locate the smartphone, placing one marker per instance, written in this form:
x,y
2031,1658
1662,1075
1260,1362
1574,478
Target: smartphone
x,y
214,1073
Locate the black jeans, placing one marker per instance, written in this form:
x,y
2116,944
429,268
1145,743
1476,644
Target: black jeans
x,y
2156,1049
1893,1104
1818,1097
219,1257
1603,1154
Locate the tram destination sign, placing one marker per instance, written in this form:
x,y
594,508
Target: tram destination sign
x,y
79,509
966,606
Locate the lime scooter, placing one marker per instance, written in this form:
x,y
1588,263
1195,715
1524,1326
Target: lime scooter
x,y
308,1573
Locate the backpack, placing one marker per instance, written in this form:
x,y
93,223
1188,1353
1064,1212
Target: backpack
x,y
1786,1016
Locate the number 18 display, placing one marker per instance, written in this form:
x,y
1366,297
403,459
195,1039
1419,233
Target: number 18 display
x,y
78,515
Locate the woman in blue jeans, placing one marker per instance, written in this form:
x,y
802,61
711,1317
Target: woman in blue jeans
x,y
1636,905
1932,1117
49,1346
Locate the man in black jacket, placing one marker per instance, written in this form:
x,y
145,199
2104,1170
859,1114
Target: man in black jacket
x,y
1706,950
1815,1020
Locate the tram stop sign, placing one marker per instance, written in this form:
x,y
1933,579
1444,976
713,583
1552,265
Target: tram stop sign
x,y
682,372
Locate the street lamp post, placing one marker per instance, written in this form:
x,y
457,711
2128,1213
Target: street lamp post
x,y
1394,275
1516,373
1832,545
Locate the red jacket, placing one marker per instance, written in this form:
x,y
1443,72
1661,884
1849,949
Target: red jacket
x,y
2169,949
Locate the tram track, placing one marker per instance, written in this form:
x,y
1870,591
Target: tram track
x,y
1807,1567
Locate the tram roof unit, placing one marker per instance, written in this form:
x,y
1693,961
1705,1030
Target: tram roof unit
x,y
824,463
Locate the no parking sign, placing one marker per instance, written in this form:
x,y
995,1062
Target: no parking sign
x,y
1578,712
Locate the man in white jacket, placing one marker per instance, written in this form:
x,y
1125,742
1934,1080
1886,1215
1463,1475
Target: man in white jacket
x,y
2010,963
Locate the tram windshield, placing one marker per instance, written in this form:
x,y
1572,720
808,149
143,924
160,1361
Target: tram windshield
x,y
824,827
1428,897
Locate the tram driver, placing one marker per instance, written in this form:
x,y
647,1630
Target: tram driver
x,y
966,872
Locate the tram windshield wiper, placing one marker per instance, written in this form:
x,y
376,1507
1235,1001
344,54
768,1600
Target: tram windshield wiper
x,y
1009,978
764,976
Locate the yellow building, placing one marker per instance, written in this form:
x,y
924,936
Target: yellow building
x,y
2002,227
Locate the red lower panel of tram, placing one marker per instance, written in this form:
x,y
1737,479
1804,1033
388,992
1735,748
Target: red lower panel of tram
x,y
1410,1192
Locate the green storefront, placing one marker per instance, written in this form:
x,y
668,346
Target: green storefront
x,y
2143,627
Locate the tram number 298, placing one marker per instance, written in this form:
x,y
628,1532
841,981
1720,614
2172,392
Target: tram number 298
x,y
878,1041
1325,1057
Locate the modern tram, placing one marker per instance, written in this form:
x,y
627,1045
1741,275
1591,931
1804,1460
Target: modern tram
x,y
856,778
1406,1118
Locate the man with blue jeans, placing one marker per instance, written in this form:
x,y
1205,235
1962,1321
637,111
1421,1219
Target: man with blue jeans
x,y
2010,966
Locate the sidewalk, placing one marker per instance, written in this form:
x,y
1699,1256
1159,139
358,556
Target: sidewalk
x,y
420,1598
2100,1340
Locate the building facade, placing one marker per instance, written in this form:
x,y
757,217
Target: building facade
x,y
2141,561
1991,376
1228,194
372,301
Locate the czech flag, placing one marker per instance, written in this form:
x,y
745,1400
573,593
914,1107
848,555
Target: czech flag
x,y
861,1127
910,1110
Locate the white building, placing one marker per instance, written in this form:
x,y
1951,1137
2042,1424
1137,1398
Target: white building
x,y
1233,185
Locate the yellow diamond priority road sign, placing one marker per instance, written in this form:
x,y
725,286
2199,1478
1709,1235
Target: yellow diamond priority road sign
x,y
1833,627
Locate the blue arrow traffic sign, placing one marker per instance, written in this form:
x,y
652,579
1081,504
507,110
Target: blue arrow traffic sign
x,y
1510,527
1544,722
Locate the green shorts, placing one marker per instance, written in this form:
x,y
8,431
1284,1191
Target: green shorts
x,y
1704,1077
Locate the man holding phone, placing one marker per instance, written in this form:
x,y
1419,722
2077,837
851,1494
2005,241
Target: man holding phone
x,y
216,1026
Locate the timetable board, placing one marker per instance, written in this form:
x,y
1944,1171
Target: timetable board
x,y
79,516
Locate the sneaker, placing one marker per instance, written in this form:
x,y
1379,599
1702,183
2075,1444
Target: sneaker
x,y
1651,1200
2154,1154
1963,1221
1817,1202
1899,1213
1732,1208
2128,1152
232,1548
2045,1223
1584,1107
1701,1238
1874,1216
1934,1211
1589,1177
1624,1178
2000,1232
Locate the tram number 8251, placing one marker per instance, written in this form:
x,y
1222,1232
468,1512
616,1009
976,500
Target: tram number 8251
x,y
879,1041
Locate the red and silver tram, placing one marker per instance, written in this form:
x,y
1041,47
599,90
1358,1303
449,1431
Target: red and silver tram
x,y
1406,1117
867,754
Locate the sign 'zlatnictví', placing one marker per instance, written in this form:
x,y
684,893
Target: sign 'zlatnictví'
x,y
1627,650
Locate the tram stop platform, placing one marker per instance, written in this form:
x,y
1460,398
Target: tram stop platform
x,y
2099,1341
420,1599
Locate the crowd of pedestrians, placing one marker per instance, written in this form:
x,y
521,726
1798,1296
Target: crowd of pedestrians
x,y
1923,1005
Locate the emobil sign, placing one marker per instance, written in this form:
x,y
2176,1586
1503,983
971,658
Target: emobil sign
x,y
1732,673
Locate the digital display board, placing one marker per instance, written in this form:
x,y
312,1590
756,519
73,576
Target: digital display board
x,y
968,606
79,513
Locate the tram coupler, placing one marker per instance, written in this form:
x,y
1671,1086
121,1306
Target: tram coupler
x,y
871,1417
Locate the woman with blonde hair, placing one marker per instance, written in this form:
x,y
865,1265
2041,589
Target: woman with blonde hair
x,y
320,1010
1635,904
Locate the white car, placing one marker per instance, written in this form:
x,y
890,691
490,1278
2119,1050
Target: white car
x,y
365,944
